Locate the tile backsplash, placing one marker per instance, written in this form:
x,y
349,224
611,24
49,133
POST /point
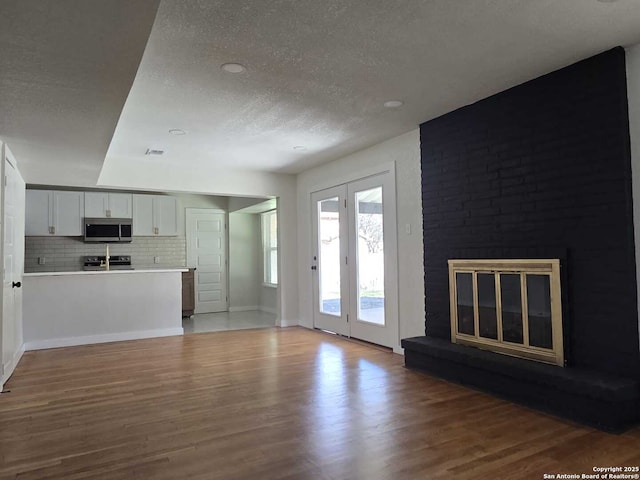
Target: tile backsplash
x,y
64,254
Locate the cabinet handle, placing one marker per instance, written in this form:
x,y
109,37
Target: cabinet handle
x,y
108,213
53,230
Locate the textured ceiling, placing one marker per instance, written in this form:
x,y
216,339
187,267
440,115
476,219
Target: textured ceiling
x,y
318,73
66,68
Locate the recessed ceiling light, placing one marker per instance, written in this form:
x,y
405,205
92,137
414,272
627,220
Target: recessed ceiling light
x,y
393,103
177,131
233,68
300,147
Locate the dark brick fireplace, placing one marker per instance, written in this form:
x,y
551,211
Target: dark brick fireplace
x,y
542,170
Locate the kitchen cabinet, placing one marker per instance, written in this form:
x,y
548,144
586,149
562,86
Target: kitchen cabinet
x,y
188,293
155,215
51,212
108,205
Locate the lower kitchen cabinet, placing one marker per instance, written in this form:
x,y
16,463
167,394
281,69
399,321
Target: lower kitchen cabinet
x,y
188,293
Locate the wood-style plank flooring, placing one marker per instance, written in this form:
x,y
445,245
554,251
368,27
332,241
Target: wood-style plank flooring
x,y
273,404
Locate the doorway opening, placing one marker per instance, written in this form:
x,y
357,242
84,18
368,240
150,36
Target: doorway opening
x,y
251,269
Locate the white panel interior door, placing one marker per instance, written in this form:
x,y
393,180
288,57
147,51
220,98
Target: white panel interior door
x,y
14,210
354,260
206,252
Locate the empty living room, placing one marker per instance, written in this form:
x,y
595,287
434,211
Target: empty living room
x,y
320,240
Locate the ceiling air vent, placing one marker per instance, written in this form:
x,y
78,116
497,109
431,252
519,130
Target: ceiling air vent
x,y
151,151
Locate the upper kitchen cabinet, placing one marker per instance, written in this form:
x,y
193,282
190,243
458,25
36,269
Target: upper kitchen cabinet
x,y
54,213
108,205
166,215
155,215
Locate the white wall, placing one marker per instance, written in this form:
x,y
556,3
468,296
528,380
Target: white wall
x,y
268,297
196,201
246,289
405,152
633,94
244,261
228,183
238,203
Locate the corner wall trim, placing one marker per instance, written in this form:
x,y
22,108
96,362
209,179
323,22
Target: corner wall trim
x,y
105,338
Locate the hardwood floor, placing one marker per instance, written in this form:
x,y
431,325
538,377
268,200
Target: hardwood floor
x,y
272,404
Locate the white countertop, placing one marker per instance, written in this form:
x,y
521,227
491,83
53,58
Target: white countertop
x,y
107,272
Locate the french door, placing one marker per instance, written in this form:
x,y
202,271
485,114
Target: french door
x,y
354,260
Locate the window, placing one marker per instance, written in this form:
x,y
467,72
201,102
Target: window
x,y
270,247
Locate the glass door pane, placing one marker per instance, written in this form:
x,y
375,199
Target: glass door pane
x,y
511,292
539,309
329,256
370,255
464,303
487,313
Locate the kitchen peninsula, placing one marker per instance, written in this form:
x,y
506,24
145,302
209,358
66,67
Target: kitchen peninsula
x,y
84,307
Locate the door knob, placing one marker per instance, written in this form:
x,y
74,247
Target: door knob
x,y
16,284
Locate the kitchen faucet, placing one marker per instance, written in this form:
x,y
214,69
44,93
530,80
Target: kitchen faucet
x,y
105,265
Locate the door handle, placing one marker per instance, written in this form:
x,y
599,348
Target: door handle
x,y
16,284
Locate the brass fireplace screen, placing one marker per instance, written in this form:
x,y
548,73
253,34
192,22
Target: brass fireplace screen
x,y
508,306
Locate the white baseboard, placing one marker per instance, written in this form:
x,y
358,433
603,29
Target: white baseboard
x,y
104,338
8,371
250,308
268,310
288,324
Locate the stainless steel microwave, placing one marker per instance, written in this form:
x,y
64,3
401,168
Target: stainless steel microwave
x,y
108,230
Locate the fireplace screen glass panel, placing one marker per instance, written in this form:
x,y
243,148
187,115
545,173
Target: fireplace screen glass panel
x,y
539,310
511,308
464,288
487,313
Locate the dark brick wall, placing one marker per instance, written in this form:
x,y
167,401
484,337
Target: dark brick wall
x,y
542,170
